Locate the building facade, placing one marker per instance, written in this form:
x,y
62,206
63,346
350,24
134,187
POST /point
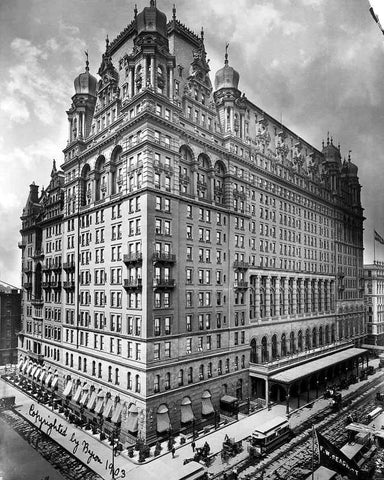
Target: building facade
x,y
10,322
189,242
374,303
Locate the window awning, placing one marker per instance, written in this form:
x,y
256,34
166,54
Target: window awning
x,y
42,374
116,417
76,397
20,364
25,366
206,406
133,421
84,394
163,423
68,389
37,373
29,369
92,401
186,413
108,408
296,373
32,372
54,383
100,402
48,379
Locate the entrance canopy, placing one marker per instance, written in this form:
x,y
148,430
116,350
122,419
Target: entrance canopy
x,y
296,373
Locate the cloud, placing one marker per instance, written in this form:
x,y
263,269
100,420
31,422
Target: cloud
x,y
15,109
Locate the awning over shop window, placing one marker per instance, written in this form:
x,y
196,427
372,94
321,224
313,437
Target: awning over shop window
x,y
206,404
163,422
108,408
100,402
84,395
25,366
116,417
29,369
92,401
55,382
20,364
77,395
48,379
32,372
186,410
68,389
37,374
42,374
133,419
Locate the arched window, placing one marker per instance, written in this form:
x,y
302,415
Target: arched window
x,y
264,350
220,367
263,300
327,334
253,351
137,384
272,298
282,298
181,378
321,340
283,348
156,384
274,347
85,186
129,381
300,341
227,365
116,375
116,171
201,372
209,370
190,375
292,342
307,339
314,337
100,178
236,363
167,384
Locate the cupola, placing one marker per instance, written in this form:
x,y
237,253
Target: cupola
x,y
331,152
226,77
152,20
85,83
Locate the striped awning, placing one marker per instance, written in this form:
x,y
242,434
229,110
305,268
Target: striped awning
x,y
92,401
100,402
25,366
29,369
84,394
133,421
42,374
108,408
77,395
48,378
37,373
54,383
32,372
20,364
206,404
116,417
68,389
186,410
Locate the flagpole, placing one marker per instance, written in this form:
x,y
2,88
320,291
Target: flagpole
x,y
374,247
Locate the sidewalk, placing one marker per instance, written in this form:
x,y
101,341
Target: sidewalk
x,y
98,455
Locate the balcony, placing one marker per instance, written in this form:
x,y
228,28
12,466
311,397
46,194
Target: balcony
x,y
163,282
163,257
132,283
297,358
69,285
27,268
56,266
56,284
38,253
27,285
37,302
69,265
240,265
46,285
240,285
136,257
21,244
46,268
35,356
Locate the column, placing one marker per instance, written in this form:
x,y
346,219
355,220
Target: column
x,y
194,180
316,295
301,294
257,297
145,72
286,285
277,296
309,287
171,83
322,292
329,295
153,72
268,297
231,119
131,83
294,296
70,130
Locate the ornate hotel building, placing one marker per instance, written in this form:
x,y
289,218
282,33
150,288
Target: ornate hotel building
x,y
189,248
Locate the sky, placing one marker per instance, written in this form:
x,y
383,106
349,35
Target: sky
x,y
317,64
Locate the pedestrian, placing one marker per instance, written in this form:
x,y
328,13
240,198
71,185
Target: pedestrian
x,y
173,452
193,445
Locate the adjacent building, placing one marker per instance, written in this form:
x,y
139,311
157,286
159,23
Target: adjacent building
x,y
10,322
189,248
374,303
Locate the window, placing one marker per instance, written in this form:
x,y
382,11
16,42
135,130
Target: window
x,y
156,351
167,349
190,375
189,323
